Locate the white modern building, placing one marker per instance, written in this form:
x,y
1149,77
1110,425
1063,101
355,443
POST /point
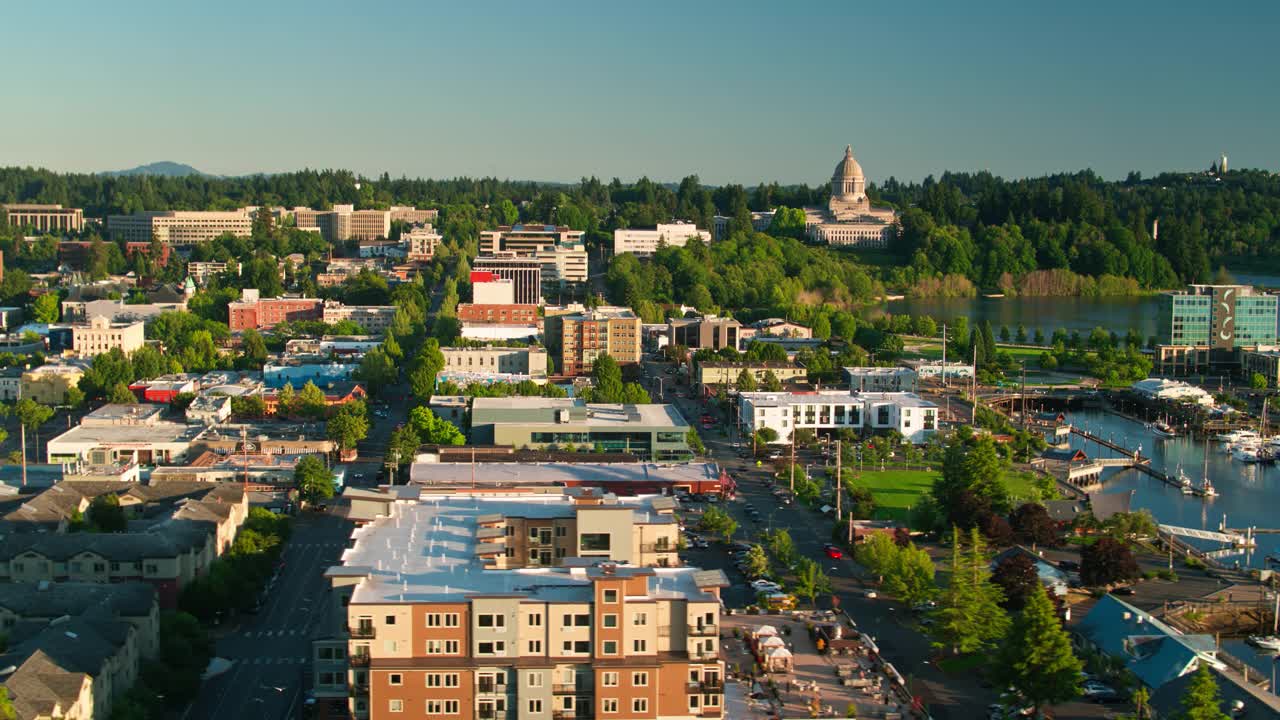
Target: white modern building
x,y
935,370
1172,391
881,379
494,292
646,242
908,413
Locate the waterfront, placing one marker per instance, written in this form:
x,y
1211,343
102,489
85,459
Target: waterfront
x,y
1248,494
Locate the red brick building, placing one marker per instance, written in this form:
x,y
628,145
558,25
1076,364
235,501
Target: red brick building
x,y
250,311
499,314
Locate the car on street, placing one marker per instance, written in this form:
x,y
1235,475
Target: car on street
x,y
871,594
765,586
1100,692
1123,590
833,551
701,544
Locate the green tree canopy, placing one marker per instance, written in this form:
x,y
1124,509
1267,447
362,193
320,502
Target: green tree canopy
x,y
1036,657
312,479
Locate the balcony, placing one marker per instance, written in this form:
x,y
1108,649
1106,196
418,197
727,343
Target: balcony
x,y
657,547
562,714
489,688
704,630
362,632
484,714
358,687
703,654
569,689
358,660
711,685
713,711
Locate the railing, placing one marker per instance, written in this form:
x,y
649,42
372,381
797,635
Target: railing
x,y
490,688
358,660
703,654
491,714
362,631
713,711
358,687
568,689
657,547
703,630
562,714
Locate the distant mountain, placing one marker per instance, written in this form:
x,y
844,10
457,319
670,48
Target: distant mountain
x,y
165,167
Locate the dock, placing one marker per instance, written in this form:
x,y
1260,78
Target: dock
x,y
1132,459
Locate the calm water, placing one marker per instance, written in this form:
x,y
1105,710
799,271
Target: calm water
x,y
1248,495
1117,314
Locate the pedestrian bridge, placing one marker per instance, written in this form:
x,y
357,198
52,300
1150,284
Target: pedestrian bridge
x,y
1198,534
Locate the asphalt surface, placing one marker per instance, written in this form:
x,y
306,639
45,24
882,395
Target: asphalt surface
x,y
895,628
270,651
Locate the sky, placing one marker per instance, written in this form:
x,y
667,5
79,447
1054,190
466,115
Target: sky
x,y
730,91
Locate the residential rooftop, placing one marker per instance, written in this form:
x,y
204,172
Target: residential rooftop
x,y
516,474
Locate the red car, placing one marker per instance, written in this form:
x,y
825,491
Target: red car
x,y
833,552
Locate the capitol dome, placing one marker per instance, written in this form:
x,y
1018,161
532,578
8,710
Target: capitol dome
x,y
848,181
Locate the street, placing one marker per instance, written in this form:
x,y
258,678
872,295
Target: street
x,y
270,651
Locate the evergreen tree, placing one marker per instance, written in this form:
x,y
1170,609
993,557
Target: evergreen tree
x,y
1201,700
746,381
970,618
771,382
1036,657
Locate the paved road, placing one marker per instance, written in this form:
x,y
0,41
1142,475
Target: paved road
x,y
270,651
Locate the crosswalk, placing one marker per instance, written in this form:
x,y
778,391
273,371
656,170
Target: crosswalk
x,y
273,633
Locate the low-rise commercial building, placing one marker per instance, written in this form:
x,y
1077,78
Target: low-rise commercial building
x,y
48,384
525,274
774,327
179,227
1263,361
907,413
145,443
44,218
578,338
644,242
881,379
492,473
713,374
527,361
252,311
116,311
657,432
519,607
101,335
704,332
375,319
505,332
498,291
1163,389
936,371
498,314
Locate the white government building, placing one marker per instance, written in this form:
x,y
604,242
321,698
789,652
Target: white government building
x,y
646,242
908,413
849,219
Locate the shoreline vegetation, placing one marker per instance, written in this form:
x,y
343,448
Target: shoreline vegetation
x,y
1037,283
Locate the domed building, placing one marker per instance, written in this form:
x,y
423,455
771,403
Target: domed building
x,y
849,219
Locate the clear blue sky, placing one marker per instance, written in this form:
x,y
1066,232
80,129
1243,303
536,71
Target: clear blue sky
x,y
731,91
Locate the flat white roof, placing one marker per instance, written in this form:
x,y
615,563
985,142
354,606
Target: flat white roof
x,y
514,474
771,399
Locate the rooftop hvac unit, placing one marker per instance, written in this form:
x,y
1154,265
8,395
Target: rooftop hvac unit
x,y
562,416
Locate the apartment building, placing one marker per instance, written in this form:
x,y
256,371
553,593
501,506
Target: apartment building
x,y
645,242
498,314
375,319
726,373
44,218
528,362
578,338
253,311
915,418
654,432
524,273
48,384
179,227
101,335
450,610
420,242
704,332
201,271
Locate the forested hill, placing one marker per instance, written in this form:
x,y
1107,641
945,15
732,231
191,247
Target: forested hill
x,y
976,228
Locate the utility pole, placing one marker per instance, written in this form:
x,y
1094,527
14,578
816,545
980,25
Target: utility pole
x,y
1024,394
839,462
973,407
24,452
944,356
793,460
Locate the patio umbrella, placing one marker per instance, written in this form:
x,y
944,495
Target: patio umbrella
x,y
766,630
773,641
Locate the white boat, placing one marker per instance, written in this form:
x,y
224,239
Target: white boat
x,y
1163,429
1266,642
1236,436
1247,452
1186,490
1207,488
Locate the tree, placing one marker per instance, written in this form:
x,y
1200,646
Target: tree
x,y
1036,657
971,485
811,581
402,447
1032,525
377,369
608,380
970,618
349,425
1107,561
47,308
746,381
771,382
1258,381
312,479
757,562
434,430
106,515
1017,576
911,577
717,521
6,706
1201,701
121,395
782,546
286,400
311,401
253,349
695,442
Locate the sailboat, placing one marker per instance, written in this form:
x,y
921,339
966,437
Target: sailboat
x,y
1184,482
1163,429
1206,485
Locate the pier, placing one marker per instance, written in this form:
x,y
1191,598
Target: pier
x,y
1132,459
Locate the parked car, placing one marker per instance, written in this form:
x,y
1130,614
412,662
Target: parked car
x,y
871,594
1123,590
765,586
833,551
1099,692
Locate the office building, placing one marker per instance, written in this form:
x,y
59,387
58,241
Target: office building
x,y
881,379
44,218
375,319
646,242
723,373
1208,325
528,240
524,273
576,339
473,363
179,227
498,314
915,418
201,271
705,332
655,432
48,384
773,327
258,313
760,222
101,335
116,311
533,606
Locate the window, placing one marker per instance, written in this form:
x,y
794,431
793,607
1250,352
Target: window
x,y
395,679
391,620
491,621
640,679
561,531
595,542
535,620
491,648
579,646
442,647
582,620
395,705
609,679
535,706
640,619
610,647
436,680
442,619
693,703
609,705
610,620
611,596
640,705
638,646
712,701
149,568
442,707
535,647
534,679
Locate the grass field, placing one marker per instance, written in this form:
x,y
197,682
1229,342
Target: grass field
x,y
933,351
897,491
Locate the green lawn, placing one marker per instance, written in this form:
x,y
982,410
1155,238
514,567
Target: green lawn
x,y
896,491
933,351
